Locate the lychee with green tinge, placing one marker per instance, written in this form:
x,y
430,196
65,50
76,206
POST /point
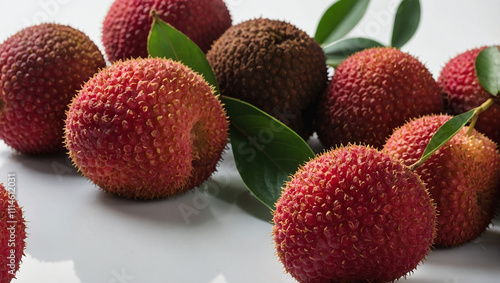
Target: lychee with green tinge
x,y
462,176
41,69
353,214
146,129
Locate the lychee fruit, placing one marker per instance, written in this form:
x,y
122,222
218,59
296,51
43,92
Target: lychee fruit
x,y
12,235
462,92
371,93
353,214
128,22
42,67
273,65
146,129
462,176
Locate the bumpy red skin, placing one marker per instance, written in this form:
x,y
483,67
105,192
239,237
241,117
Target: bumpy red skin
x,y
462,177
42,67
128,22
371,93
146,129
12,235
463,92
353,214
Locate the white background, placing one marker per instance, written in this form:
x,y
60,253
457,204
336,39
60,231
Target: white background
x,y
79,234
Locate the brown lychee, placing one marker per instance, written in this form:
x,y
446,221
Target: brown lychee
x,y
273,65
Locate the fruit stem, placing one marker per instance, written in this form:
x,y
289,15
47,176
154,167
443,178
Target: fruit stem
x,y
481,108
417,164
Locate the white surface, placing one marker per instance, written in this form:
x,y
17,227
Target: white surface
x,y
217,233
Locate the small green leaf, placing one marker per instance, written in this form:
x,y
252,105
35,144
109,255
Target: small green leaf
x,y
339,19
167,42
406,22
488,69
337,52
445,133
266,151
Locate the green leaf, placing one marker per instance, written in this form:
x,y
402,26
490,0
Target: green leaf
x,y
488,69
337,52
445,133
406,22
339,19
165,41
266,151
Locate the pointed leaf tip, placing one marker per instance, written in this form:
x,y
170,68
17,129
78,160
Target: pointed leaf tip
x,y
406,22
165,41
339,19
445,133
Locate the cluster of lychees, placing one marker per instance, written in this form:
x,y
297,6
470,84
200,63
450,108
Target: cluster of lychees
x,y
359,212
140,128
148,128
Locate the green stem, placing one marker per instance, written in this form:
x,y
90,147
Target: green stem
x,y
417,164
480,109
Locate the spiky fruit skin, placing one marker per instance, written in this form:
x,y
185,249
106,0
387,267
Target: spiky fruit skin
x,y
41,69
146,129
12,235
462,176
128,22
371,93
353,214
462,92
273,65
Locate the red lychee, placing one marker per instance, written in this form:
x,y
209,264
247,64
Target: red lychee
x,y
462,176
128,22
353,214
463,92
12,234
371,93
146,129
42,67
